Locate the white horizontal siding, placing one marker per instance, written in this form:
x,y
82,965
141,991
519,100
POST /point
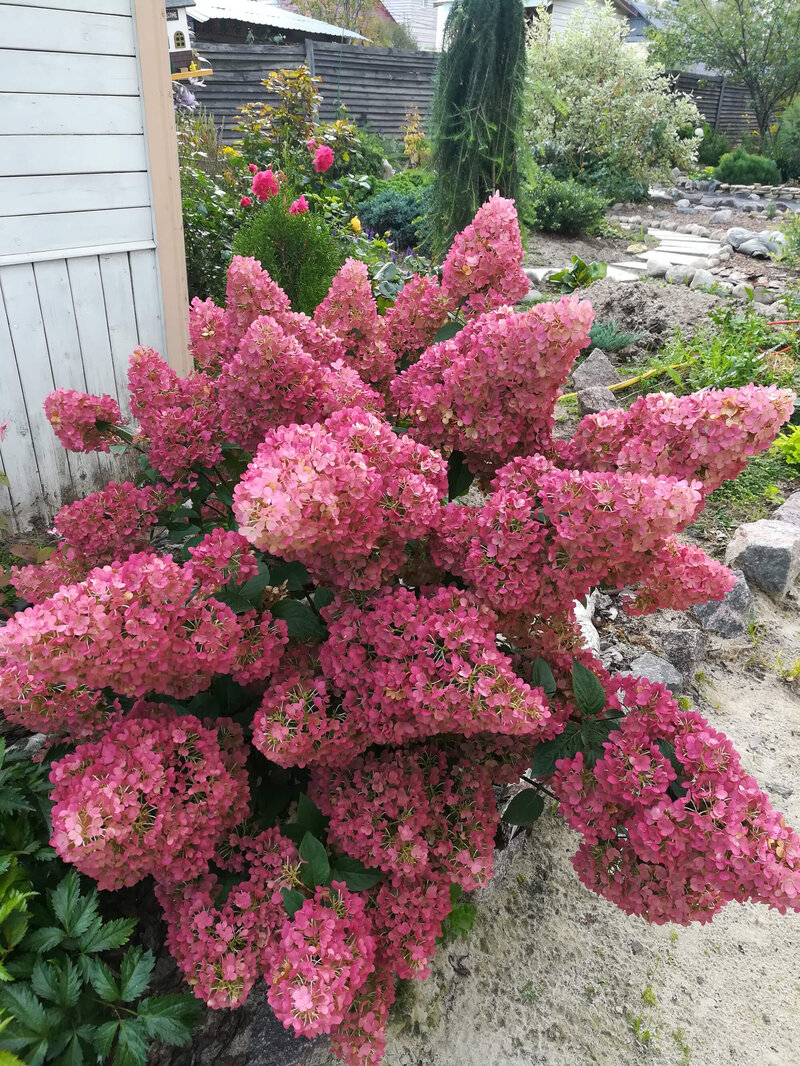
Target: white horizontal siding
x,y
58,193
26,71
50,113
103,7
31,234
67,154
562,9
47,30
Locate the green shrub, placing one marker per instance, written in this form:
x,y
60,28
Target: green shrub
x,y
300,252
405,181
609,337
614,186
787,142
210,220
740,168
788,445
712,147
397,213
561,206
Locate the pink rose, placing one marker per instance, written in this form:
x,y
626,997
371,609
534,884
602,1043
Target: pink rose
x,y
323,159
311,145
299,207
252,168
265,184
245,201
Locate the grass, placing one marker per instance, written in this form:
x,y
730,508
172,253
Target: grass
x,y
749,497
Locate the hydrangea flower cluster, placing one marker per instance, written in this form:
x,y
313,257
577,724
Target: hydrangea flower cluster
x,y
673,827
343,497
82,422
293,559
157,791
484,264
489,391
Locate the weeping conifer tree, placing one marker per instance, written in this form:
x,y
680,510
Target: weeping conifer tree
x,y
476,117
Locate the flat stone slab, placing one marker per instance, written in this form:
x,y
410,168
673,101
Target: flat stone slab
x,y
616,274
790,510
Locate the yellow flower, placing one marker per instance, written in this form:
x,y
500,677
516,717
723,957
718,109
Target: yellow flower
x,y
231,153
355,224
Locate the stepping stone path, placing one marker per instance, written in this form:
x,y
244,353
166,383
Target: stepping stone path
x,y
673,249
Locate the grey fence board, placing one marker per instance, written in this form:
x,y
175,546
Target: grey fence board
x,y
723,104
378,86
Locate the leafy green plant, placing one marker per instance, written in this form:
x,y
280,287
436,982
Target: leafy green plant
x,y
713,147
787,141
578,276
461,918
299,251
405,181
396,213
69,995
612,185
69,1005
740,168
788,445
560,206
210,221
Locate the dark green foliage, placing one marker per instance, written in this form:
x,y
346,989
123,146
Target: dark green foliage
x,y
461,918
396,212
209,224
477,112
712,147
561,206
70,995
609,337
740,168
613,186
787,143
578,276
299,251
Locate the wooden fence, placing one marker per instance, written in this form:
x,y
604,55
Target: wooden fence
x,y
723,104
378,86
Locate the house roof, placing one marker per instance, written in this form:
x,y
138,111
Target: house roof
x,y
264,14
172,4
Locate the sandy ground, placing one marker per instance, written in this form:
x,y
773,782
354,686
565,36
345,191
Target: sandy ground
x,y
552,974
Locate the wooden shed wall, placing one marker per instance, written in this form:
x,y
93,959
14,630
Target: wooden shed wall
x,y
80,283
723,104
377,85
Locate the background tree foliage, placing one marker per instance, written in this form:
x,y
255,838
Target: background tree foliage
x,y
362,17
476,118
755,43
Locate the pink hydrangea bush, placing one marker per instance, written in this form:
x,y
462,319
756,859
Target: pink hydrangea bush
x,y
292,664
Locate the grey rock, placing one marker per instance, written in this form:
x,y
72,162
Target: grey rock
x,y
637,947
657,265
790,510
703,280
722,217
654,668
675,173
595,399
724,288
764,296
768,553
755,197
737,235
742,291
713,185
685,648
725,253
678,274
727,617
784,791
596,369
387,170
755,247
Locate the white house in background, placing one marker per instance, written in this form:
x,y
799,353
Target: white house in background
x,y
419,16
560,10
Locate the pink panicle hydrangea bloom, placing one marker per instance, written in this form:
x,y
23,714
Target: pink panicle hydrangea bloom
x,y
49,707
407,923
326,347
178,416
223,948
698,830
360,1039
264,185
417,315
298,206
484,265
490,390
349,310
81,421
208,333
250,292
153,796
412,667
326,953
221,556
710,435
332,495
323,158
413,811
146,629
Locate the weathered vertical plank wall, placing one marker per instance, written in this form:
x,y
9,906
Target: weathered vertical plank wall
x,y
91,260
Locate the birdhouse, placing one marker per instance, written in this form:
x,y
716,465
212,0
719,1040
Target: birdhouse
x,y
180,45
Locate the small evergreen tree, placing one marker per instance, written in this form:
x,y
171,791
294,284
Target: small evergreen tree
x,y
477,112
